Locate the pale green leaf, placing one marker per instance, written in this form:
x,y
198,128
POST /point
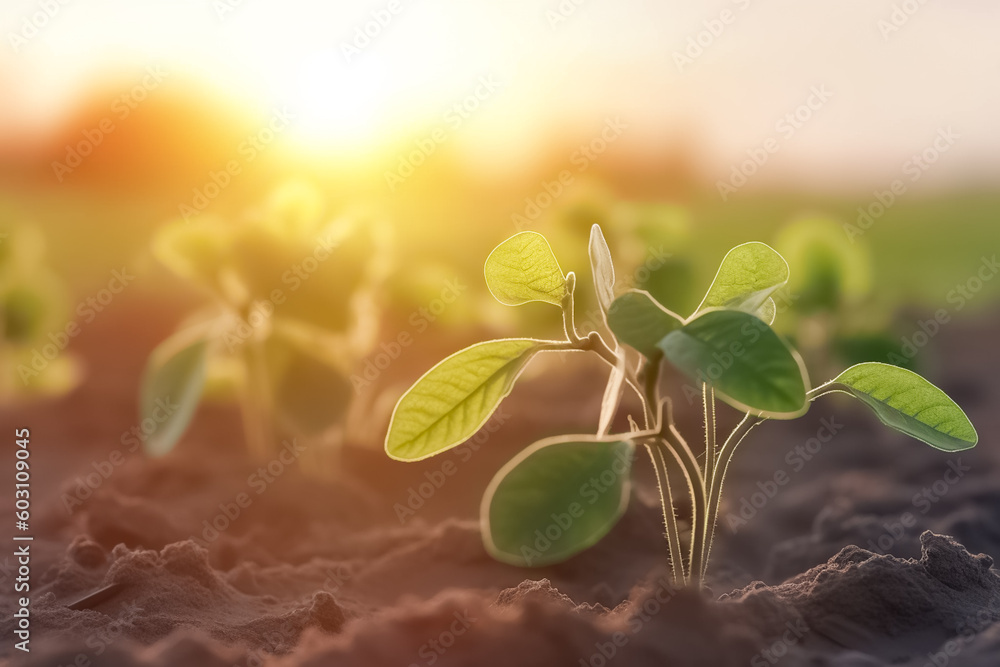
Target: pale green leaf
x,y
767,311
61,374
523,269
199,253
455,398
907,402
638,320
744,360
171,388
602,267
612,394
555,499
747,277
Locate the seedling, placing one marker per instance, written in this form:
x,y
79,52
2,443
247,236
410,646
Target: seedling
x,y
35,320
292,309
831,309
561,495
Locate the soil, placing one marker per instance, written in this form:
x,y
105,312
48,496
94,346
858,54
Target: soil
x,y
873,550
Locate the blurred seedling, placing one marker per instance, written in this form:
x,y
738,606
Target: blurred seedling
x,y
562,495
828,305
35,324
654,237
292,309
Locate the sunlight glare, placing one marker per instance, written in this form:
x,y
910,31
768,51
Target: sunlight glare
x,y
334,104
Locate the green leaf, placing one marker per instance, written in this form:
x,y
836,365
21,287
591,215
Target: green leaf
x,y
747,277
198,253
602,267
523,269
455,398
907,402
767,311
33,303
612,394
311,394
23,313
638,320
555,499
171,389
749,366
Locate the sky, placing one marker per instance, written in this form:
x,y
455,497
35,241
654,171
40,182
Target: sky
x,y
873,83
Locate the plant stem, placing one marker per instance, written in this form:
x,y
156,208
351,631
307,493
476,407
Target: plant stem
x,y
649,396
708,403
715,492
705,527
696,485
256,405
651,386
568,310
821,391
651,390
592,342
673,533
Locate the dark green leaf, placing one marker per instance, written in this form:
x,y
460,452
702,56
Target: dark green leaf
x,y
749,366
555,499
171,389
639,321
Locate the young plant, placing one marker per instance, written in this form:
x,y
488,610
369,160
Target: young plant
x,y
562,495
35,321
832,312
292,309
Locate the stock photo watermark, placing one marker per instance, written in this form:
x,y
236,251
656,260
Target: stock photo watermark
x,y
87,309
121,108
364,34
589,493
434,480
85,486
454,117
432,650
911,171
247,151
785,128
562,12
259,316
959,296
34,23
420,321
923,501
259,481
901,14
584,156
795,632
796,458
223,8
642,615
711,30
967,631
723,360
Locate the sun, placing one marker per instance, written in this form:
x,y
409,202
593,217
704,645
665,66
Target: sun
x,y
335,104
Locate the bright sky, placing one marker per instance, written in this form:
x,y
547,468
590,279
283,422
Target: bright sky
x,y
889,90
